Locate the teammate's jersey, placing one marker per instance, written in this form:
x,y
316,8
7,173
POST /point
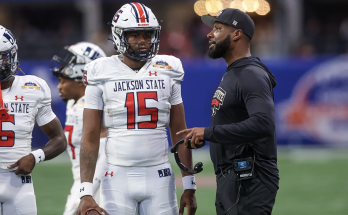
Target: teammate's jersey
x,y
73,132
136,106
28,100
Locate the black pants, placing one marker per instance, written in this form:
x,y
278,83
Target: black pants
x,y
255,197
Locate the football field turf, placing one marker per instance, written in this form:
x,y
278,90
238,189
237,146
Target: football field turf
x,y
312,182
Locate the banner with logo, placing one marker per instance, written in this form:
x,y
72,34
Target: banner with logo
x,y
315,111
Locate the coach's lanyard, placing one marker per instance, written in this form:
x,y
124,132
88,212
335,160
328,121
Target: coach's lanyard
x,y
3,111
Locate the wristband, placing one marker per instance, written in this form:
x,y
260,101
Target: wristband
x,y
86,189
39,155
189,182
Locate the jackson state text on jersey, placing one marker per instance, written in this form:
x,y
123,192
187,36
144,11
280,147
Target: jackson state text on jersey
x,y
27,94
136,107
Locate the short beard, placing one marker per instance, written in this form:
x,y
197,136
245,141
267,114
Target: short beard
x,y
220,48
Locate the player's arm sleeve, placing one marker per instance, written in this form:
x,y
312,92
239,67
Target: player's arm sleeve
x,y
94,97
178,76
178,70
176,94
45,113
256,92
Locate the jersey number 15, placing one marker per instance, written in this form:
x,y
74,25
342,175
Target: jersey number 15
x,y
142,110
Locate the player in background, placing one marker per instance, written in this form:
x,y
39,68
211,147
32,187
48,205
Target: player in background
x,y
23,100
69,72
139,93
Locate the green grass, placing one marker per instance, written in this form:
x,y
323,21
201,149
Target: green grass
x,y
312,183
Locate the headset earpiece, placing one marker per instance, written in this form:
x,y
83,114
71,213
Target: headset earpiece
x,y
198,167
172,150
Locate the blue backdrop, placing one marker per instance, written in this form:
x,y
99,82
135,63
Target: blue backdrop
x,y
311,96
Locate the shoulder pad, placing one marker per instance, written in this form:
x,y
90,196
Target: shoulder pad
x,y
174,66
90,72
32,82
94,71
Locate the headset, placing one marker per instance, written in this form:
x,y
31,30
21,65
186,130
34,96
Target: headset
x,y
198,167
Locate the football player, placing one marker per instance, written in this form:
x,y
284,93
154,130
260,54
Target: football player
x,y
23,100
139,93
69,72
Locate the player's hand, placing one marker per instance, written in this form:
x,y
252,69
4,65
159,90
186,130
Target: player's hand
x,y
25,165
195,134
87,203
188,200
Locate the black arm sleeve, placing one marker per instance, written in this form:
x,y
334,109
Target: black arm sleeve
x,y
256,92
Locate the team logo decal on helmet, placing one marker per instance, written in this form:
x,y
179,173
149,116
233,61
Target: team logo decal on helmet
x,y
135,17
8,54
117,15
71,67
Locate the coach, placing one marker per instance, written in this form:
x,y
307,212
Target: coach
x,y
242,121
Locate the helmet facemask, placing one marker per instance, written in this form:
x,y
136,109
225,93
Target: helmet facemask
x,y
124,46
65,67
8,63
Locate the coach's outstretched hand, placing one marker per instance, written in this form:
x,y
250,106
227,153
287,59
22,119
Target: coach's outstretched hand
x,y
188,200
25,165
87,203
195,134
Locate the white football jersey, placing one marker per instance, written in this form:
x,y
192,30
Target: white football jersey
x,y
73,132
24,99
136,107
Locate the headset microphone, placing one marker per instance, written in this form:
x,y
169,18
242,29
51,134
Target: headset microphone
x,y
198,167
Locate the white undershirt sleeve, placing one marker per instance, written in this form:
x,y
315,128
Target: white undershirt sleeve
x,y
94,97
44,115
176,94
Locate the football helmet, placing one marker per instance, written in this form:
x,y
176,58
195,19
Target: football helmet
x,y
8,54
71,67
135,17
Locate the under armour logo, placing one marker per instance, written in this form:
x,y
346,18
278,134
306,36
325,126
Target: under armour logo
x,y
21,98
193,183
234,23
40,158
112,174
83,189
152,73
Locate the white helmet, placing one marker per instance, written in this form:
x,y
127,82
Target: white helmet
x,y
71,67
135,17
8,54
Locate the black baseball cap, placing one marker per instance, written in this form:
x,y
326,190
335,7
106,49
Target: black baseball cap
x,y
233,17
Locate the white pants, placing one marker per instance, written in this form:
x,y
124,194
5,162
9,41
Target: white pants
x,y
73,200
17,195
139,190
